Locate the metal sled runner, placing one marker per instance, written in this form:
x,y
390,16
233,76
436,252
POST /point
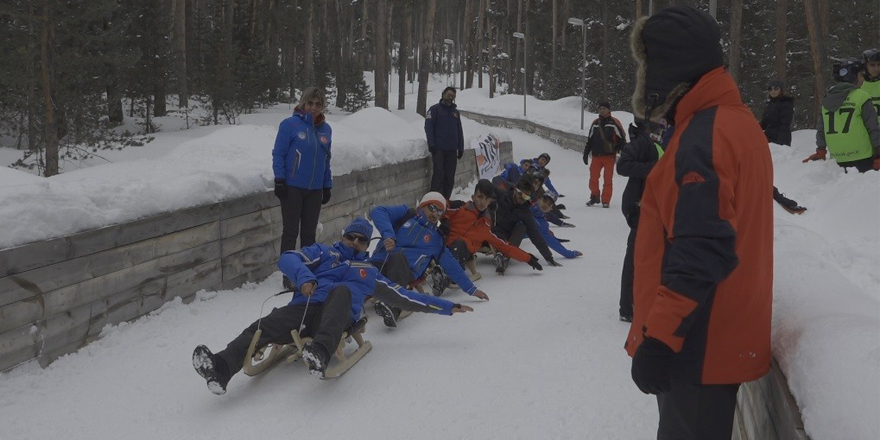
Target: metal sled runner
x,y
258,360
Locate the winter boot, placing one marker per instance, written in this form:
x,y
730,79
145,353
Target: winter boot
x,y
316,357
287,284
606,205
439,281
388,314
593,201
211,367
499,263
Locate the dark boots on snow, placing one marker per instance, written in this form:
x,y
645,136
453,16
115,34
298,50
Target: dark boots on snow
x,y
389,314
439,281
316,357
501,263
211,367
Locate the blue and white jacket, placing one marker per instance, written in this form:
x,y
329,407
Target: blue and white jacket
x,y
301,155
335,265
552,241
420,241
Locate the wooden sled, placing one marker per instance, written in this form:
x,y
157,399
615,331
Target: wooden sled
x,y
258,360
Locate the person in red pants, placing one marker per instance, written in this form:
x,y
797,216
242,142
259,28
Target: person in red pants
x,y
605,140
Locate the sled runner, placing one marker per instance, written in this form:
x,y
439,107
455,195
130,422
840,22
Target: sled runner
x,y
258,360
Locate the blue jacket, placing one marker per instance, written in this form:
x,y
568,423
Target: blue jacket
x,y
552,241
301,155
420,242
331,266
443,128
547,181
511,174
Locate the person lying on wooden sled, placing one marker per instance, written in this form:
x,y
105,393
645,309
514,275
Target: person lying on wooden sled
x,y
332,283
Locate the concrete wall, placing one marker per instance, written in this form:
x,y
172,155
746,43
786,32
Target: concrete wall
x,y
57,295
765,409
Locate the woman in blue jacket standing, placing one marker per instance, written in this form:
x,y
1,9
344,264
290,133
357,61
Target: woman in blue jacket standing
x,y
301,163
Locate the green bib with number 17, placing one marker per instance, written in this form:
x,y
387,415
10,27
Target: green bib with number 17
x,y
845,132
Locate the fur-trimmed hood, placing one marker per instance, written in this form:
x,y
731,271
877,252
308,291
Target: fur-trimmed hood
x,y
672,50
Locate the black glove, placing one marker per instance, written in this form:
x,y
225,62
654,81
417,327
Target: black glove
x,y
460,153
326,197
444,227
533,261
650,367
560,195
432,150
553,263
560,206
280,189
586,156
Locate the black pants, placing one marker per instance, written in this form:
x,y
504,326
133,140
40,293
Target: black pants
x,y
697,412
443,178
301,207
513,236
461,252
396,268
626,276
324,322
863,165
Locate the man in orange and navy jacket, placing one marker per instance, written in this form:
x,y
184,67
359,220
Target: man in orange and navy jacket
x,y
704,247
605,140
468,225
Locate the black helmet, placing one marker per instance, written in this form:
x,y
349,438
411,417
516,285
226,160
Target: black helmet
x,y
545,156
847,70
871,55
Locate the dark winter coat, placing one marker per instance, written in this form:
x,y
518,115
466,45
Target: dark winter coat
x,y
611,143
508,213
443,128
301,155
776,120
636,161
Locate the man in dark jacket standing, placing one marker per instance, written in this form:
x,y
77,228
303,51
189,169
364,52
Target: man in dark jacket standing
x,y
445,141
703,289
606,138
778,113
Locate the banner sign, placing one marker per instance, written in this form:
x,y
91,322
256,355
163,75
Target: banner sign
x,y
488,150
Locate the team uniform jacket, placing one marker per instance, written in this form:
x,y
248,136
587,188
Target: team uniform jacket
x,y
552,241
443,128
511,174
614,134
301,154
474,227
420,242
330,266
704,246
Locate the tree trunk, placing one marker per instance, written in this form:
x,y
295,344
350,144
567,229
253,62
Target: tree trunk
x,y
180,51
425,55
380,38
341,52
781,34
817,50
308,49
362,53
639,9
518,54
490,43
736,10
50,132
553,39
467,46
403,55
480,42
605,94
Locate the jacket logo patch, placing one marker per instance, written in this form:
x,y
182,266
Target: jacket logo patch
x,y
324,140
428,116
407,224
692,177
301,135
455,114
363,273
427,238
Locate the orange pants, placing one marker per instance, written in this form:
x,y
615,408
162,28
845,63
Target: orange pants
x,y
599,163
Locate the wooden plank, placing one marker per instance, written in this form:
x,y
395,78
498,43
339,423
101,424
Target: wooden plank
x,y
184,284
247,204
16,340
233,226
10,360
37,281
255,275
240,263
39,254
262,234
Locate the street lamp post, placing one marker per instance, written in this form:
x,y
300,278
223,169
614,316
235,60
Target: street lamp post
x,y
449,42
579,22
522,36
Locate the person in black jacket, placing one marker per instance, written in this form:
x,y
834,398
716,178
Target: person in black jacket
x,y
445,141
636,161
605,140
513,219
778,112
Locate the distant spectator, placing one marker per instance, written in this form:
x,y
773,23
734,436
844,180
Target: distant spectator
x,y
778,112
871,76
301,163
445,141
848,126
605,140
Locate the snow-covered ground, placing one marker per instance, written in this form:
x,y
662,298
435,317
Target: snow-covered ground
x,y
542,359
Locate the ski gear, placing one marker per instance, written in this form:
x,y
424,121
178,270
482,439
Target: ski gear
x,y
212,368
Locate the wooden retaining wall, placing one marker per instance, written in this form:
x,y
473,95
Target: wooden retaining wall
x,y
57,295
765,408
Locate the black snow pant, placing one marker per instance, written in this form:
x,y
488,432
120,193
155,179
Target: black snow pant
x,y
514,236
461,252
626,276
396,268
863,165
443,177
697,412
324,322
301,207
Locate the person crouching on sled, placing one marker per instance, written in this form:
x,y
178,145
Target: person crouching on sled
x,y
332,283
410,240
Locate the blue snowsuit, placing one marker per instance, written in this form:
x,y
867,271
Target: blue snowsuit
x,y
301,154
